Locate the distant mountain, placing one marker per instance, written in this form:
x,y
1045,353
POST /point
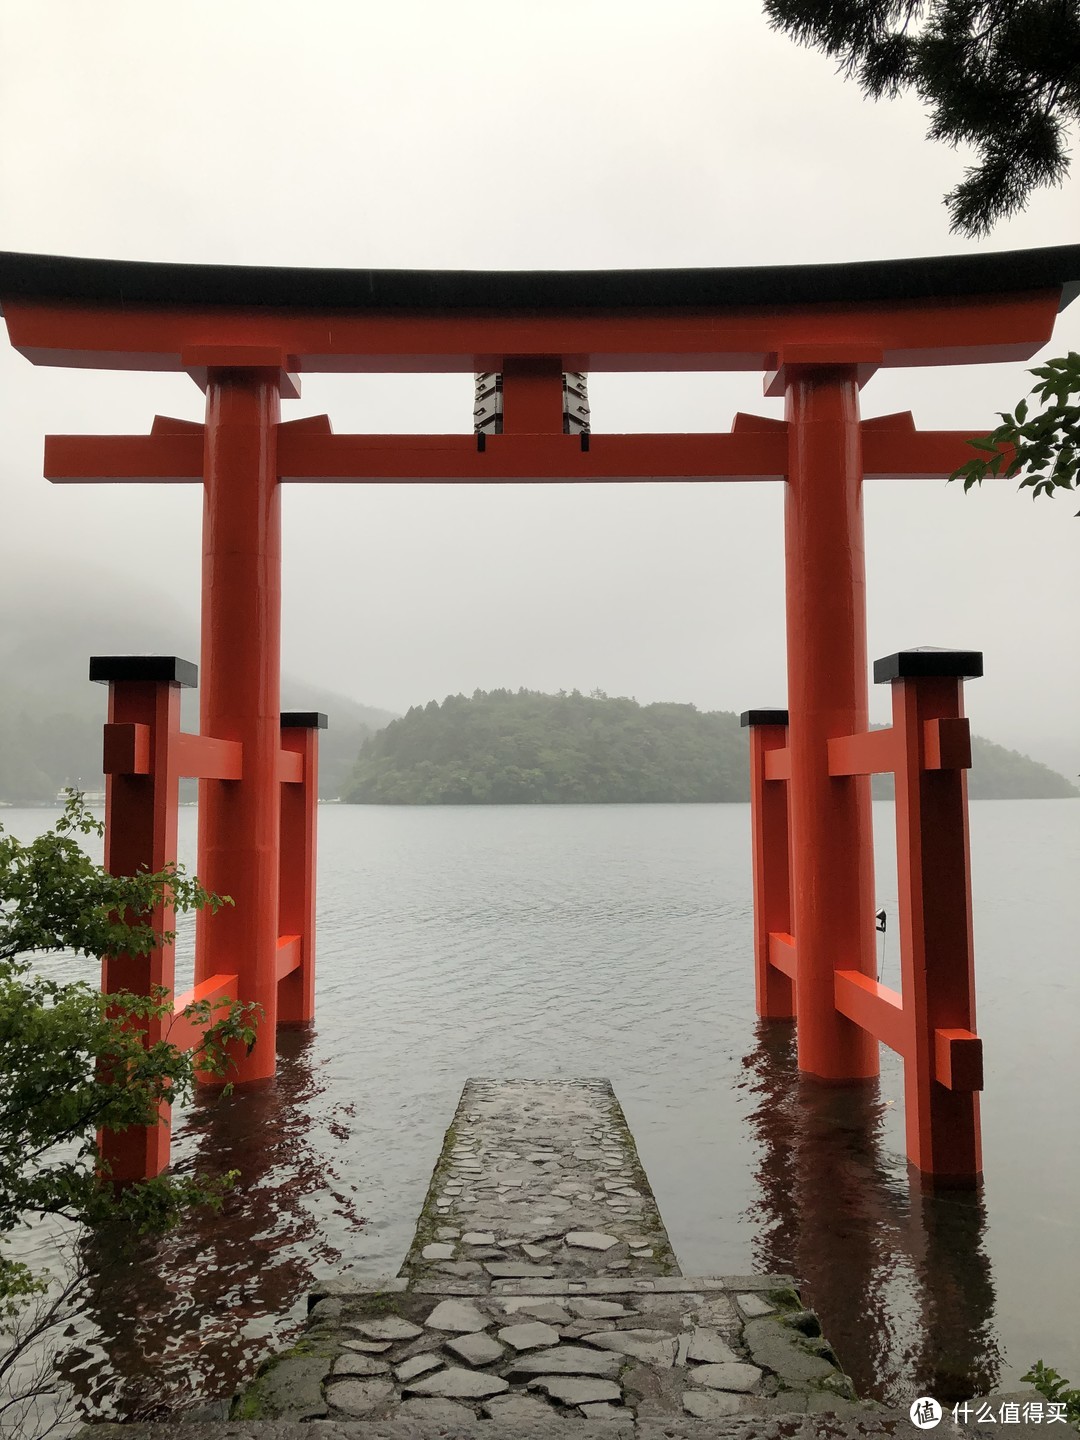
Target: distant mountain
x,y
1000,774
349,725
524,747
498,747
1060,752
51,716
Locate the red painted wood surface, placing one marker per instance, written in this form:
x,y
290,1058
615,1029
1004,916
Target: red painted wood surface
x,y
239,822
318,456
832,868
937,951
299,827
140,834
930,1021
944,330
769,832
145,755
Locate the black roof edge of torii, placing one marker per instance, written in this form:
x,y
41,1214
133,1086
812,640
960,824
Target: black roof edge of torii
x,y
140,282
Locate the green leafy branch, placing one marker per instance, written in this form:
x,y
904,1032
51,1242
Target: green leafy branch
x,y
1052,1387
74,1061
53,897
1042,447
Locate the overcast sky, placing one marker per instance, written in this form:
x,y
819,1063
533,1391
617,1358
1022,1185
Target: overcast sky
x,y
598,133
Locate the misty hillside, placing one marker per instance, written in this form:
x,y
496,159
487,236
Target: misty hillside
x,y
498,747
998,773
524,747
51,716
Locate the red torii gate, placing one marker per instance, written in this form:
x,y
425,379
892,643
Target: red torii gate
x,y
818,332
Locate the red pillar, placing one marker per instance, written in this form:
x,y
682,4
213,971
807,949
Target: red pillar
x,y
140,834
769,844
299,818
240,696
832,858
943,1063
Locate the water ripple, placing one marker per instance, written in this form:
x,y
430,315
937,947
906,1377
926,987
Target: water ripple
x,y
617,941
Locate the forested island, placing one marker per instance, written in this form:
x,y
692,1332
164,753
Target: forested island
x,y
497,747
505,747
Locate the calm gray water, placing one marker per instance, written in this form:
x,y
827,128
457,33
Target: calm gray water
x,y
592,940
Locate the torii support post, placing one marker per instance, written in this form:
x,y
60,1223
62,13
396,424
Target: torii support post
x,y
239,824
145,755
140,834
930,1022
832,863
943,1070
296,892
774,947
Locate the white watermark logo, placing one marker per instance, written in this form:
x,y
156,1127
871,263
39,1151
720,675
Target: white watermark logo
x,y
925,1412
1010,1412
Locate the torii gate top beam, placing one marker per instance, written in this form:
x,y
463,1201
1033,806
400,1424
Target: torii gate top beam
x,y
957,309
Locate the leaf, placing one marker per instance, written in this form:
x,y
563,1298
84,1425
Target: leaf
x,y
72,1060
1042,448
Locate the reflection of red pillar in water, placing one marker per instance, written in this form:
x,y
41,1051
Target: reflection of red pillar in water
x,y
832,868
240,694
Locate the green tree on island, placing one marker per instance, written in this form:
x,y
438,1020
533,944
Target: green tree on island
x,y
506,747
72,1062
1002,76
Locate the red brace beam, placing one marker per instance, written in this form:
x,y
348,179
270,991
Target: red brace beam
x,y
930,1022
308,451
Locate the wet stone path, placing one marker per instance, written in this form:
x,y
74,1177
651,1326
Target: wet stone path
x,y
541,1291
539,1180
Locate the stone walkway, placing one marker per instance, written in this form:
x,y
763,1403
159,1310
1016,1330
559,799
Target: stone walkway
x,y
538,1180
604,1348
541,1288
540,1299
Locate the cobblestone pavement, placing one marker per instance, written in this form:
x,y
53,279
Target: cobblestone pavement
x,y
538,1180
540,1297
541,1288
606,1348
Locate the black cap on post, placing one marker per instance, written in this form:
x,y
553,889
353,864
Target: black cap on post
x,y
105,669
928,661
303,720
763,717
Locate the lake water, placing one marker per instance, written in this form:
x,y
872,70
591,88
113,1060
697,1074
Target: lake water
x,y
616,941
